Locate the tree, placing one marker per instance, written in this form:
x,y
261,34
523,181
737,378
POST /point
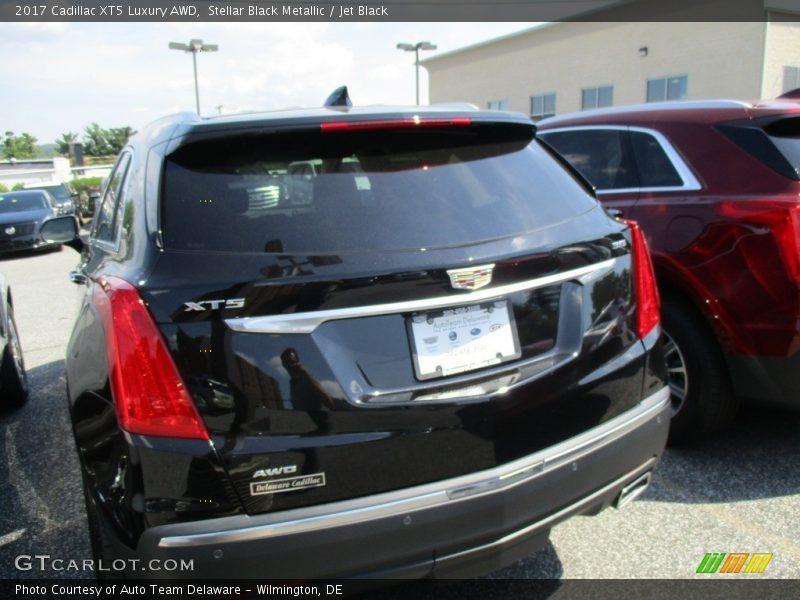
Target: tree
x,y
117,138
94,141
19,146
64,141
103,142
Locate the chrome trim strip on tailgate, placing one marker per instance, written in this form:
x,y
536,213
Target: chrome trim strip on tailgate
x,y
307,322
433,495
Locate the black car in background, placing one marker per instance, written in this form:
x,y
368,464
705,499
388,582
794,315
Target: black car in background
x,y
67,201
22,214
413,361
13,378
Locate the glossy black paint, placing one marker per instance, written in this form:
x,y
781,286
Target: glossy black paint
x,y
137,482
431,542
249,398
5,295
300,400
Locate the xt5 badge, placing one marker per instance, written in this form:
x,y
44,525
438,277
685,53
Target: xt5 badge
x,y
213,304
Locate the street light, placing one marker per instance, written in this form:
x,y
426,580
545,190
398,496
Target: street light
x,y
415,48
194,46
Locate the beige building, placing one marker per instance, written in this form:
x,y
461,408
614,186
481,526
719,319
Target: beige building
x,y
569,66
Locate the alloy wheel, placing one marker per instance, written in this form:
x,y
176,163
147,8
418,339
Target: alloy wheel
x,y
677,375
16,354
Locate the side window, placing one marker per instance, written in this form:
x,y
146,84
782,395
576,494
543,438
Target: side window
x,y
105,226
655,167
601,155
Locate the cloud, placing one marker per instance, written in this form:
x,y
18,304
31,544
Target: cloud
x,y
32,30
62,76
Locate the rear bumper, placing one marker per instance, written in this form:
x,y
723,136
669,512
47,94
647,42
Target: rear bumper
x,y
767,379
463,526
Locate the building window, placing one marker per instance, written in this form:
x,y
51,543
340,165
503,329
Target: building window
x,y
543,105
791,78
667,88
498,104
597,97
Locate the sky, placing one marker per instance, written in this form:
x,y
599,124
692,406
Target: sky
x,y
60,77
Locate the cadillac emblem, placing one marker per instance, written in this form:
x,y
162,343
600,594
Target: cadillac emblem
x,y
10,230
471,278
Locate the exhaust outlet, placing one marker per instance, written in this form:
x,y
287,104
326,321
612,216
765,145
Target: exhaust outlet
x,y
633,490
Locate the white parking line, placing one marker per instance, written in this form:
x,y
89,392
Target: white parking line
x,y
11,537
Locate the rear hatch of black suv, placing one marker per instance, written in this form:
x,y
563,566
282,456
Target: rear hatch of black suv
x,y
364,304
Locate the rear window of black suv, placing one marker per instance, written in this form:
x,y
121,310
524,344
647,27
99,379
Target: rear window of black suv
x,y
317,192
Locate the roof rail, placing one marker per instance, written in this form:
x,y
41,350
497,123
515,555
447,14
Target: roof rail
x,y
180,117
459,105
654,106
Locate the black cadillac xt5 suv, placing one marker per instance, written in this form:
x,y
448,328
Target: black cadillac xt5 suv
x,y
347,341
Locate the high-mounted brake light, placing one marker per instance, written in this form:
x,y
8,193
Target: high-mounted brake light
x,y
149,395
406,123
648,303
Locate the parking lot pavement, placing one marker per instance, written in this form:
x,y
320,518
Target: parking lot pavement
x,y
737,493
42,502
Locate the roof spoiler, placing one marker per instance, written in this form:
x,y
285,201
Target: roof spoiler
x,y
339,97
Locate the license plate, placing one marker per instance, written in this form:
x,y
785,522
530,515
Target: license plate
x,y
457,340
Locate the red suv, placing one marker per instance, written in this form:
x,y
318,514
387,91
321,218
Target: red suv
x,y
716,187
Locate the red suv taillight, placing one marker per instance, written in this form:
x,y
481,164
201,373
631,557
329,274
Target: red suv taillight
x,y
782,218
791,243
149,395
786,227
648,304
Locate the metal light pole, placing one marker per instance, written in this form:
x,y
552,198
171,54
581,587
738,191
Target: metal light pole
x,y
415,48
194,46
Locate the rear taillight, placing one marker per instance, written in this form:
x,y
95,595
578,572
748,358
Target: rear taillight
x,y
406,123
791,243
149,394
782,218
648,304
786,228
